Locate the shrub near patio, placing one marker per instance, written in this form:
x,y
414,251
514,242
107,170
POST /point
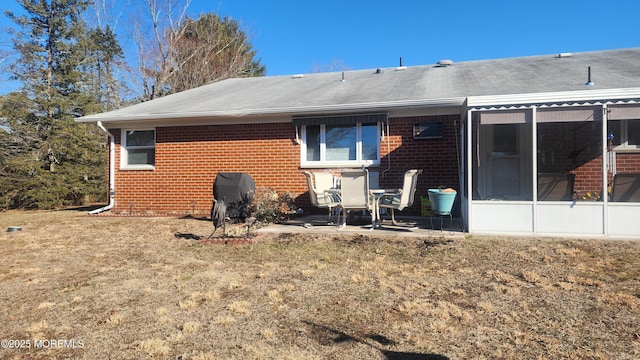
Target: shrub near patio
x,y
132,288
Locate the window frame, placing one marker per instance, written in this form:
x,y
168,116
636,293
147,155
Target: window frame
x,y
624,137
428,130
124,150
323,162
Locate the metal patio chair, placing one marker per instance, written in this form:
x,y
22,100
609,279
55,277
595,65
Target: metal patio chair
x,y
323,181
626,188
321,198
399,199
354,193
555,187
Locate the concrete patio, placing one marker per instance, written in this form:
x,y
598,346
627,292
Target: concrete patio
x,y
413,226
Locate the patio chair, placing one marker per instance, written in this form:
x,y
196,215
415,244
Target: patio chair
x,y
321,199
401,198
354,193
323,181
626,188
555,186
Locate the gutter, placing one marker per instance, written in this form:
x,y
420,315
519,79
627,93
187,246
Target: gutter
x,y
119,115
112,171
522,100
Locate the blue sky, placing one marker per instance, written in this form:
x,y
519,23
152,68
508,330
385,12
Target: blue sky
x,y
294,37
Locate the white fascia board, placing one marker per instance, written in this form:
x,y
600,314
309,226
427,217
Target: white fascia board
x,y
430,111
268,114
192,121
552,97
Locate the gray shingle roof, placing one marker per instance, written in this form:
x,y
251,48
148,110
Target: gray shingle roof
x,y
415,85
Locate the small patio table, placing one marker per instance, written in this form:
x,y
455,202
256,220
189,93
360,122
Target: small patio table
x,y
375,211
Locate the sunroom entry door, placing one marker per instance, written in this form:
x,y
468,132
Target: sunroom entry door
x,y
506,153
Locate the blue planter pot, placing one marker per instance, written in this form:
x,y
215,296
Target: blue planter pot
x,y
442,201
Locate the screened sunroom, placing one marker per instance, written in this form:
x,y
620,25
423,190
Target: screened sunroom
x,y
554,167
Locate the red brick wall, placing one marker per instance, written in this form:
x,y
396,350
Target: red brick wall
x,y
628,163
189,157
436,157
589,175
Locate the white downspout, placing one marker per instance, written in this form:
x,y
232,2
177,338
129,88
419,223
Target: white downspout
x,y
388,148
112,171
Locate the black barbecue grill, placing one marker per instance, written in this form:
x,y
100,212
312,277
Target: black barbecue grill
x,y
233,193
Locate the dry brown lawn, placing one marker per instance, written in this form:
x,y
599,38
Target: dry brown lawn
x,y
143,288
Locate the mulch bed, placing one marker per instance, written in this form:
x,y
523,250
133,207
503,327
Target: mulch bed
x,y
229,241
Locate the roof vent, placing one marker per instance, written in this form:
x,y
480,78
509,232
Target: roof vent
x,y
445,63
565,55
589,82
401,67
297,76
378,71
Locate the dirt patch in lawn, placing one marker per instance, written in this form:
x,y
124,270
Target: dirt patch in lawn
x,y
75,286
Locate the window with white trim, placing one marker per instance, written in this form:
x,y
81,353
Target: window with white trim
x,y
138,149
341,144
623,127
626,134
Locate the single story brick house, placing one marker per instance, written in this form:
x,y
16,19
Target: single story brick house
x,y
492,129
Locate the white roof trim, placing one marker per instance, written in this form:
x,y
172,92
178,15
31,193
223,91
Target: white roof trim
x,y
118,116
525,100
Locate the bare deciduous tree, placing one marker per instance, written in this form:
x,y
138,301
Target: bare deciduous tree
x,y
176,53
154,24
335,65
211,49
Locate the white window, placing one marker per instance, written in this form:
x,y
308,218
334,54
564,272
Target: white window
x,y
625,133
340,144
138,149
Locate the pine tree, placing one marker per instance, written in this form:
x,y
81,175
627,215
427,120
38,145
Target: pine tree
x,y
103,54
51,160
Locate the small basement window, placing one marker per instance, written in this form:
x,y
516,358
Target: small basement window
x,y
427,130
